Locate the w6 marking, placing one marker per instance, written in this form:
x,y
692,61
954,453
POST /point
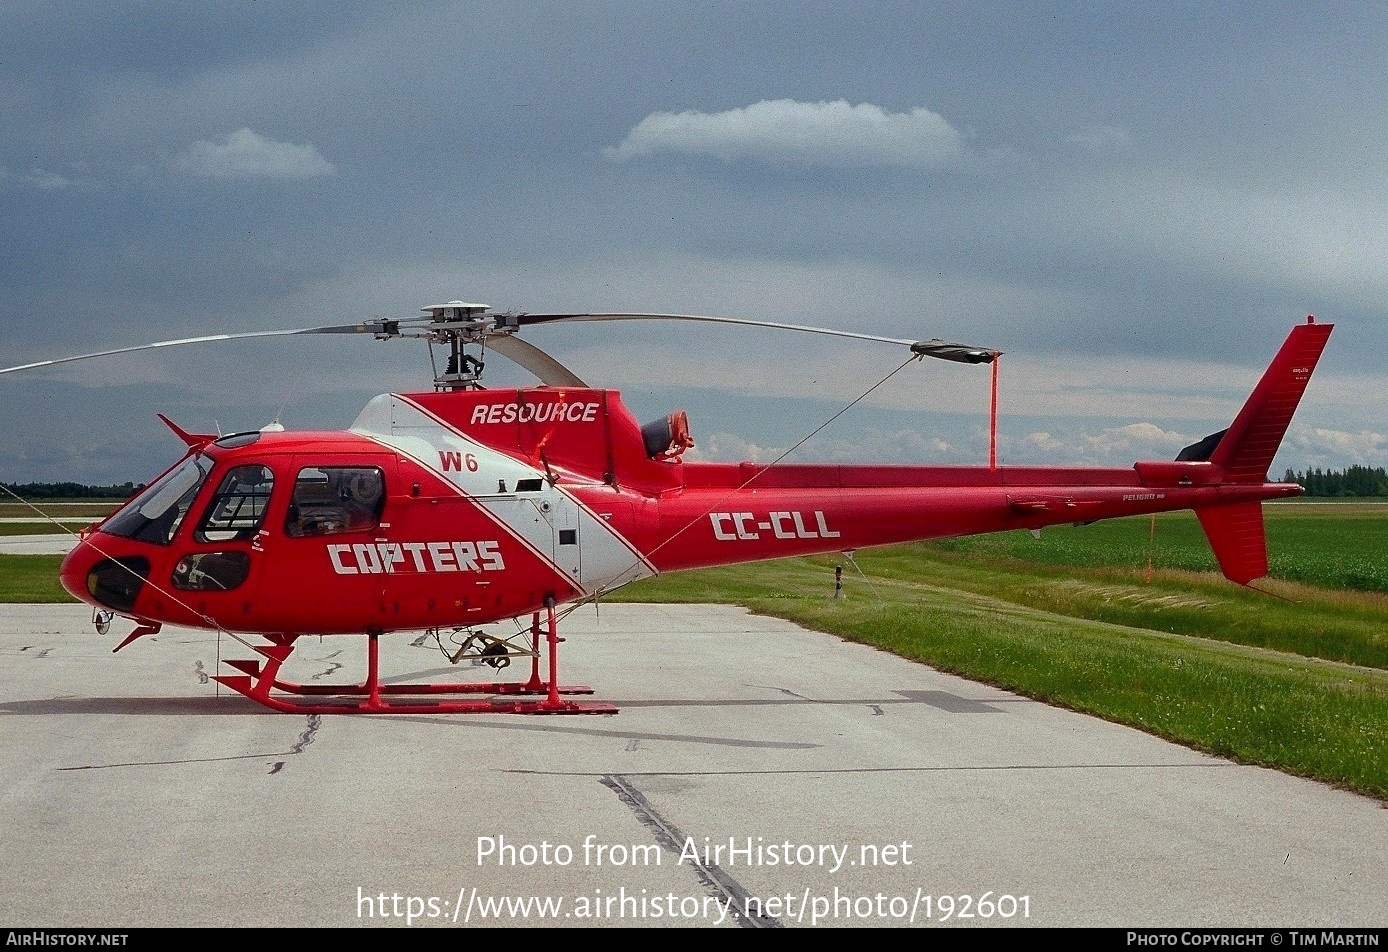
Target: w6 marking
x,y
452,460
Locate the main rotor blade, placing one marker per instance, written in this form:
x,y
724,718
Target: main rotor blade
x,y
367,328
529,357
933,348
959,353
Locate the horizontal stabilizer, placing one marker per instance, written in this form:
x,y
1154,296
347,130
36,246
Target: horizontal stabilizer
x,y
1236,535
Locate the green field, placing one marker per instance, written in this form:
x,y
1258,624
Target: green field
x,y
1330,544
51,517
58,509
32,579
1293,676
41,528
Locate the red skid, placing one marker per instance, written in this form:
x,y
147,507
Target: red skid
x,y
502,687
257,681
243,685
252,668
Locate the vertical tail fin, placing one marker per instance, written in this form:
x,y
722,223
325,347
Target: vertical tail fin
x,y
1245,450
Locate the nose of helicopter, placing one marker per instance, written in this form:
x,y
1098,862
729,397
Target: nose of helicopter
x,y
98,579
73,573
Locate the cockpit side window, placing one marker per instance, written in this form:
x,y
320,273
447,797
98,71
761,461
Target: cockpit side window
x,y
156,513
238,507
332,499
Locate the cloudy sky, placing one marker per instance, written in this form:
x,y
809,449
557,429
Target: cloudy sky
x,y
1133,202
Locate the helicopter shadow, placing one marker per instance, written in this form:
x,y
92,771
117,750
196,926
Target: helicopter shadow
x,y
939,700
137,706
230,704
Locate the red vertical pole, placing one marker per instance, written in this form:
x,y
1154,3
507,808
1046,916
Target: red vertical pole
x,y
993,418
373,672
553,698
535,685
1151,544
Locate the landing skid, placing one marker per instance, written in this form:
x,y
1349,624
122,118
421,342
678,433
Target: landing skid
x,y
258,679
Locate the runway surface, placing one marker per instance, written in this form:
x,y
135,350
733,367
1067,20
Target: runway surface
x,y
757,775
42,544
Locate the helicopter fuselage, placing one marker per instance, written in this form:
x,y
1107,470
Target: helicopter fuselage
x,y
464,507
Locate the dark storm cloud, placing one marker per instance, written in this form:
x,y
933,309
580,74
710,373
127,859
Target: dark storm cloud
x,y
1164,190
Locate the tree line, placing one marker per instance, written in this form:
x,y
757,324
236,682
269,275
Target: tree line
x,y
1355,481
69,491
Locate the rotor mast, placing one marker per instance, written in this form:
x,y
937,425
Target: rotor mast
x,y
457,324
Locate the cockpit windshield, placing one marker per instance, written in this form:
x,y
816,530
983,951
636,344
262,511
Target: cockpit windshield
x,y
155,514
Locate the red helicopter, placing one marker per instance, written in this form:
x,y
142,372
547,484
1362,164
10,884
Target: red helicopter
x,y
451,509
